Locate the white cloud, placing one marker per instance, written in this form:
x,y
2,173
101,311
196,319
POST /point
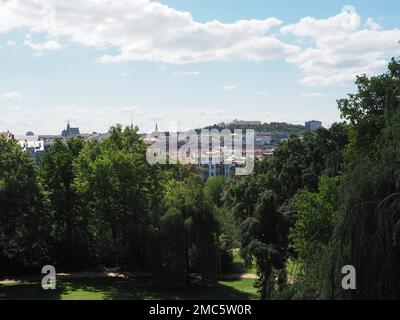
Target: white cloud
x,y
230,87
327,51
341,48
11,95
313,94
372,25
261,93
40,47
145,30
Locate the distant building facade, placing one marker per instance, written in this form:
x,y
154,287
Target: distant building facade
x,y
313,125
70,132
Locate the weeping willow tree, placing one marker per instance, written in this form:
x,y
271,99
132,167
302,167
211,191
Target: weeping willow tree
x,y
184,235
368,234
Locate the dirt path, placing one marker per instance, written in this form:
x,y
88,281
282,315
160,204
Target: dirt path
x,y
237,276
122,275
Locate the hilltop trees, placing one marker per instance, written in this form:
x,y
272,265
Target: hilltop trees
x,y
295,129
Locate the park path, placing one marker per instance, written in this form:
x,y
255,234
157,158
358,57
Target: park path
x,y
238,276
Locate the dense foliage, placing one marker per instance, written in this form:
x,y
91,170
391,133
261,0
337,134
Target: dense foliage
x,y
23,220
102,205
355,218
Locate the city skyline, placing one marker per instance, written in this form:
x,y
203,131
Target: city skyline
x,y
192,62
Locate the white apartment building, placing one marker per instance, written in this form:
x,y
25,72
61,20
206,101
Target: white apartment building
x,y
32,144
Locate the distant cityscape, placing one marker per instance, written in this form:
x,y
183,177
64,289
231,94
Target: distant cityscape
x,y
265,142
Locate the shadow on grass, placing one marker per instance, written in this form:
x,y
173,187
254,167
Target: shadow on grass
x,y
120,289
29,291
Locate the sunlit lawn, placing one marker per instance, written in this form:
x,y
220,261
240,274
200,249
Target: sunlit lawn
x,y
111,288
117,288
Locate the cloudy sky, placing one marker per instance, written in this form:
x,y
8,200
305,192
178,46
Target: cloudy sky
x,y
197,62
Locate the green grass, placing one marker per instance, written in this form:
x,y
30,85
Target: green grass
x,y
135,289
111,288
239,266
245,286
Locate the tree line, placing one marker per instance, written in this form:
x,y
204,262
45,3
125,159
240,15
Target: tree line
x,y
101,205
327,199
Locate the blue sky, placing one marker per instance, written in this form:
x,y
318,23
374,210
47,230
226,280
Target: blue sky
x,y
287,10
196,62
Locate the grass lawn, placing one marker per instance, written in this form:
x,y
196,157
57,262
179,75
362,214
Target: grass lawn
x,y
117,288
239,266
112,288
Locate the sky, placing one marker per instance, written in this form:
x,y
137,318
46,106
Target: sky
x,y
185,63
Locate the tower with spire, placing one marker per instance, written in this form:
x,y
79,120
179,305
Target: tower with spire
x,y
70,132
155,134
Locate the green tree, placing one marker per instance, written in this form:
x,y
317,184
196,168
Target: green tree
x,y
188,232
261,203
316,217
69,243
262,228
23,221
119,188
317,214
213,189
367,235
